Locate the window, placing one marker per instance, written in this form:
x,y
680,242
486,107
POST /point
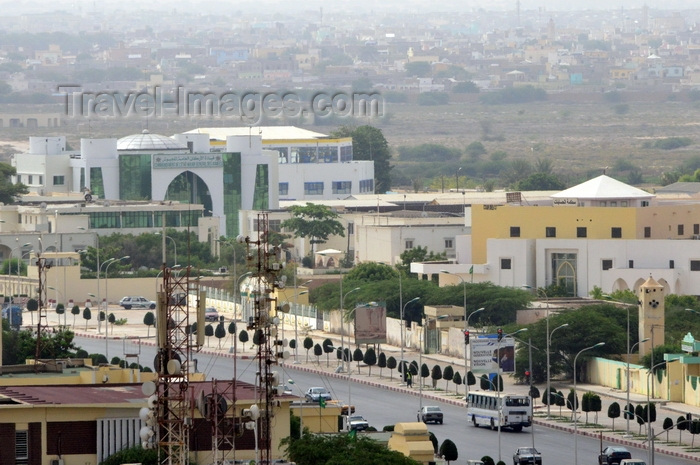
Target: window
x,y
550,231
367,185
671,264
59,180
645,203
30,179
408,244
351,228
313,188
696,228
505,263
449,244
22,447
647,231
616,233
623,203
603,203
695,265
284,188
607,264
342,187
613,203
581,232
680,229
630,264
515,231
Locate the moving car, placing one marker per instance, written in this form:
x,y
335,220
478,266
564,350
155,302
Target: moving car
x,y
358,423
633,462
211,314
313,394
131,301
613,455
431,413
525,455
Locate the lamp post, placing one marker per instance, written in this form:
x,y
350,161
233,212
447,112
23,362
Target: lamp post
x,y
457,179
650,448
19,269
403,326
62,297
468,367
9,271
113,261
420,360
342,325
546,299
466,320
296,316
549,343
97,250
175,248
499,385
627,416
576,401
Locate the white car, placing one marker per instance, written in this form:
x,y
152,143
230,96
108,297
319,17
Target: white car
x,y
131,301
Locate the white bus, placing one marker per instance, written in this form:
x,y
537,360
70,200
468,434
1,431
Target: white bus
x,y
483,409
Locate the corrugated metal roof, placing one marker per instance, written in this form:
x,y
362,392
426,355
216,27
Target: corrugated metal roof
x,y
268,133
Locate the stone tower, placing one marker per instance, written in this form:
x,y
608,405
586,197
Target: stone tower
x,y
651,315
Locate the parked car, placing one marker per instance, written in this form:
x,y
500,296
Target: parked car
x,y
211,314
431,413
358,423
525,455
613,455
313,394
130,301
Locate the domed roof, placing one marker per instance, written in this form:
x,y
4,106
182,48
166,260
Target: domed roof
x,y
148,141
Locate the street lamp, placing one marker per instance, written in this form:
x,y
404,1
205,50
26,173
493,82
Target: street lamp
x,y
296,315
549,343
19,269
468,368
342,325
499,385
420,360
575,406
175,247
650,448
403,326
97,250
113,261
235,289
627,416
466,321
9,271
62,297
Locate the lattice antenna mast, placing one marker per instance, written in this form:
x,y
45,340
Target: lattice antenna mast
x,y
172,364
265,260
43,318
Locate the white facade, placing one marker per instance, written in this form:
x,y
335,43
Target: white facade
x,y
45,168
296,180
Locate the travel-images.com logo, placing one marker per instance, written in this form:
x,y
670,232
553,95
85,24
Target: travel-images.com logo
x,y
249,107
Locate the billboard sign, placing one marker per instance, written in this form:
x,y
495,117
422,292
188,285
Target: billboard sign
x,y
486,352
370,324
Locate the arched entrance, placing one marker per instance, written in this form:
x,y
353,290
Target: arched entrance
x,y
187,187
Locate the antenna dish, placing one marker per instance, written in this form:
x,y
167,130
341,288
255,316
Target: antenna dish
x,y
148,388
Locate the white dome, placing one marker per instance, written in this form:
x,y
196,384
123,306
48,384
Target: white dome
x,y
148,141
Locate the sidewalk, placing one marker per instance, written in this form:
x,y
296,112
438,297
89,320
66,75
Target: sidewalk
x,y
603,426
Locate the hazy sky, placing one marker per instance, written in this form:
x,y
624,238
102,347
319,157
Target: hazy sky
x,y
268,6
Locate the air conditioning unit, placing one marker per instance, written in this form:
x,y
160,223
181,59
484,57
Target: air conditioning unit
x,y
57,462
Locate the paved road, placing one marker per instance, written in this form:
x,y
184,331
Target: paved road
x,y
386,403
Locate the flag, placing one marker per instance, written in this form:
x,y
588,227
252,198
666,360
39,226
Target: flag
x,y
352,434
322,402
471,270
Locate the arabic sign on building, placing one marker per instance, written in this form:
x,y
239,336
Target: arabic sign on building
x,y
565,202
485,354
187,161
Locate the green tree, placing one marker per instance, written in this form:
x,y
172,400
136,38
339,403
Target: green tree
x,y
448,451
220,332
328,349
243,337
368,143
358,356
208,332
149,319
467,87
87,316
418,69
639,415
561,400
667,426
61,310
10,193
448,375
317,222
341,450
371,271
381,362
308,345
614,412
471,379
75,311
370,359
436,374
457,380
475,150
318,351
487,460
681,425
694,429
586,403
541,182
484,382
417,254
135,454
112,319
572,402
391,365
